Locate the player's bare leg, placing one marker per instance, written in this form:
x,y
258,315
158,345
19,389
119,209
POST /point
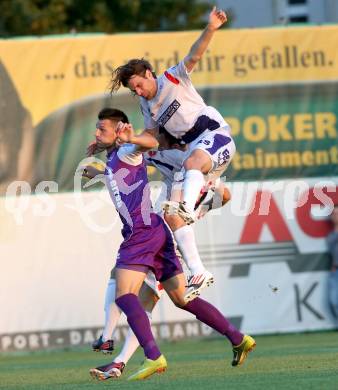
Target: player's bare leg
x,y
211,153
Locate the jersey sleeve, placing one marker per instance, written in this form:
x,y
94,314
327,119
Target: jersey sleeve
x,y
130,154
180,72
149,122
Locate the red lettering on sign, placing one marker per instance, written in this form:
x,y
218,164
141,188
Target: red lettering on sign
x,y
273,220
315,227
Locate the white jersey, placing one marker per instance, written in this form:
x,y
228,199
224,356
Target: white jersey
x,y
168,162
177,105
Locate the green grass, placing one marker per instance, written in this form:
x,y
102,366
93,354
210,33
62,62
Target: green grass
x,y
298,361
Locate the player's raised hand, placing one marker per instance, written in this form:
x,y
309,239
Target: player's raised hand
x,y
90,171
216,18
125,133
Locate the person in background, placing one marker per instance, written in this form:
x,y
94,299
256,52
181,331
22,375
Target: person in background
x,y
332,243
16,135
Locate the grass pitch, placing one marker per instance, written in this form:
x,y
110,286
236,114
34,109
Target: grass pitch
x,y
298,361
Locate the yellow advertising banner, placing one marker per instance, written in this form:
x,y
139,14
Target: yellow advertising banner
x,y
276,87
50,73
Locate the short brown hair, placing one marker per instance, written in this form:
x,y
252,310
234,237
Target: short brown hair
x,y
112,114
123,73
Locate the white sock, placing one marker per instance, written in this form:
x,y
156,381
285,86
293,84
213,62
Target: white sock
x,y
112,312
185,238
130,346
193,183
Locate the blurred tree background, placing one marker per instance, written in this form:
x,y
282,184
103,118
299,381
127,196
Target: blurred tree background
x,y
43,17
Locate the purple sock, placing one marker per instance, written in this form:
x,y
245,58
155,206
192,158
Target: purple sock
x,y
139,323
212,317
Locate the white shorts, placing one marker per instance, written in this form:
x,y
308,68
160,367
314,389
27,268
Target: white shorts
x,y
219,145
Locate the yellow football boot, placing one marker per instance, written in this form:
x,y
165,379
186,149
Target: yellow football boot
x,y
149,367
241,351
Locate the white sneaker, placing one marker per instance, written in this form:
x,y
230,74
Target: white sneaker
x,y
188,216
196,283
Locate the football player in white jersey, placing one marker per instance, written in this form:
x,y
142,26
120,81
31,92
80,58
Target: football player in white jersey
x,y
170,101
212,195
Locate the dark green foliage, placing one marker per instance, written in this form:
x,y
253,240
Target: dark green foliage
x,y
41,17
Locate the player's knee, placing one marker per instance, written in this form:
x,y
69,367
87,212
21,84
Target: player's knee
x,y
191,163
199,160
147,298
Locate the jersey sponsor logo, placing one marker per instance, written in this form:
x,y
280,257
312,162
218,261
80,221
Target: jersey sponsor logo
x,y
116,193
171,78
169,112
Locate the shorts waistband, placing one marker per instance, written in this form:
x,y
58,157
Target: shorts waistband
x,y
203,123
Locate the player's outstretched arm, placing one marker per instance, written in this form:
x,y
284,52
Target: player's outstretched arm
x,y
91,171
144,141
216,19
